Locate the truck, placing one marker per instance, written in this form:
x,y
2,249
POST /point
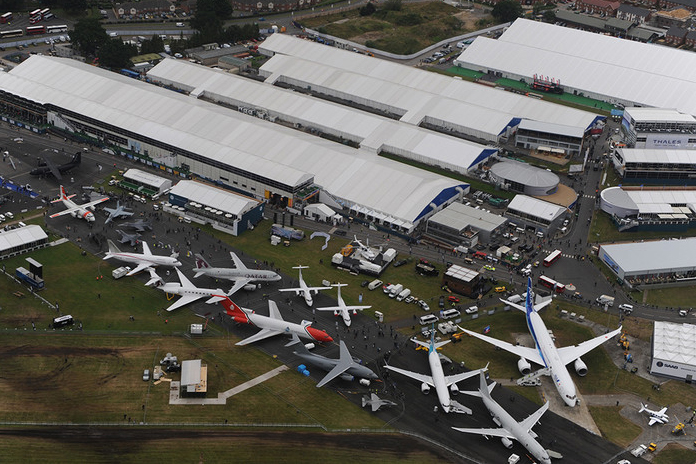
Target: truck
x,y
120,272
398,288
639,451
605,300
403,294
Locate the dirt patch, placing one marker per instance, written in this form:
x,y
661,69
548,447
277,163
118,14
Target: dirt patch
x,y
374,35
470,17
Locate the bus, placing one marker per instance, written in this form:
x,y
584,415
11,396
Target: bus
x,y
13,33
55,29
552,258
33,30
552,284
62,321
6,18
46,14
35,16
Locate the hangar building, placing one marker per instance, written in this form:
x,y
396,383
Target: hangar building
x,y
652,262
633,73
445,104
190,137
321,118
458,224
674,351
225,210
655,165
523,178
535,214
22,240
650,208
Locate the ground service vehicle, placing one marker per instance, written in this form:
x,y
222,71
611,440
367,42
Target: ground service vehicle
x,y
605,300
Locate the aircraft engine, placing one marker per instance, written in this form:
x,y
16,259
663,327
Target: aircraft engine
x,y
524,367
347,377
506,442
580,367
335,313
454,389
355,312
425,388
250,287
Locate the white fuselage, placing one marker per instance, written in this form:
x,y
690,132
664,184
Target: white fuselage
x,y
549,354
345,314
306,292
505,420
265,322
152,260
234,274
177,289
439,382
78,212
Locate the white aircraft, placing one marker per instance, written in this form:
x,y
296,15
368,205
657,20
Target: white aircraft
x,y
143,261
189,292
510,429
271,325
83,211
545,352
240,274
342,308
438,379
303,289
655,416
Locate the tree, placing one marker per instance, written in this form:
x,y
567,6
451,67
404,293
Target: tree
x,y
88,36
154,45
507,10
116,54
549,16
368,9
392,5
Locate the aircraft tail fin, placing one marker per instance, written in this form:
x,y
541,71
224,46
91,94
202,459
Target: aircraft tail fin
x,y
484,388
201,263
77,159
643,407
113,249
231,308
529,302
63,195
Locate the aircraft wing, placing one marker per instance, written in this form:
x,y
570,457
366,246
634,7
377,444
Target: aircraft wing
x,y
297,291
65,211
238,264
92,203
262,335
52,167
238,285
138,268
357,308
531,354
451,379
345,362
502,433
531,421
317,289
571,353
652,421
662,411
183,301
414,375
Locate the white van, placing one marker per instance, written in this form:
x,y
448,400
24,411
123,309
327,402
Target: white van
x,y
374,284
406,292
398,288
428,319
605,300
627,308
450,314
9,215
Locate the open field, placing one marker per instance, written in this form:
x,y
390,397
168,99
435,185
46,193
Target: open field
x,y
139,445
412,28
675,454
613,426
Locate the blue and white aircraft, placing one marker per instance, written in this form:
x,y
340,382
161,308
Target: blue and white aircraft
x,y
545,352
438,379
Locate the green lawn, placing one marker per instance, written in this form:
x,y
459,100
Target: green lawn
x,y
613,426
675,454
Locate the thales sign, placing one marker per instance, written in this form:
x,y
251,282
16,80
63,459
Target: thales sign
x,y
668,141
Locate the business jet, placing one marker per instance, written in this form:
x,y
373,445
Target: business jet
x,y
83,211
304,290
545,352
189,292
342,309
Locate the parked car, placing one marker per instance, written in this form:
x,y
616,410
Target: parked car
x,y
453,299
441,302
146,375
471,310
488,267
400,263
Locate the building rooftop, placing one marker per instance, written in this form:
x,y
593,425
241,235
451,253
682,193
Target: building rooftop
x,y
215,197
656,257
459,216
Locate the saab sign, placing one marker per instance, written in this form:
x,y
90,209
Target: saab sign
x,y
669,141
673,369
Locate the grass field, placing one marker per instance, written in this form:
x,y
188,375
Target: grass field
x,y
613,426
675,454
412,28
